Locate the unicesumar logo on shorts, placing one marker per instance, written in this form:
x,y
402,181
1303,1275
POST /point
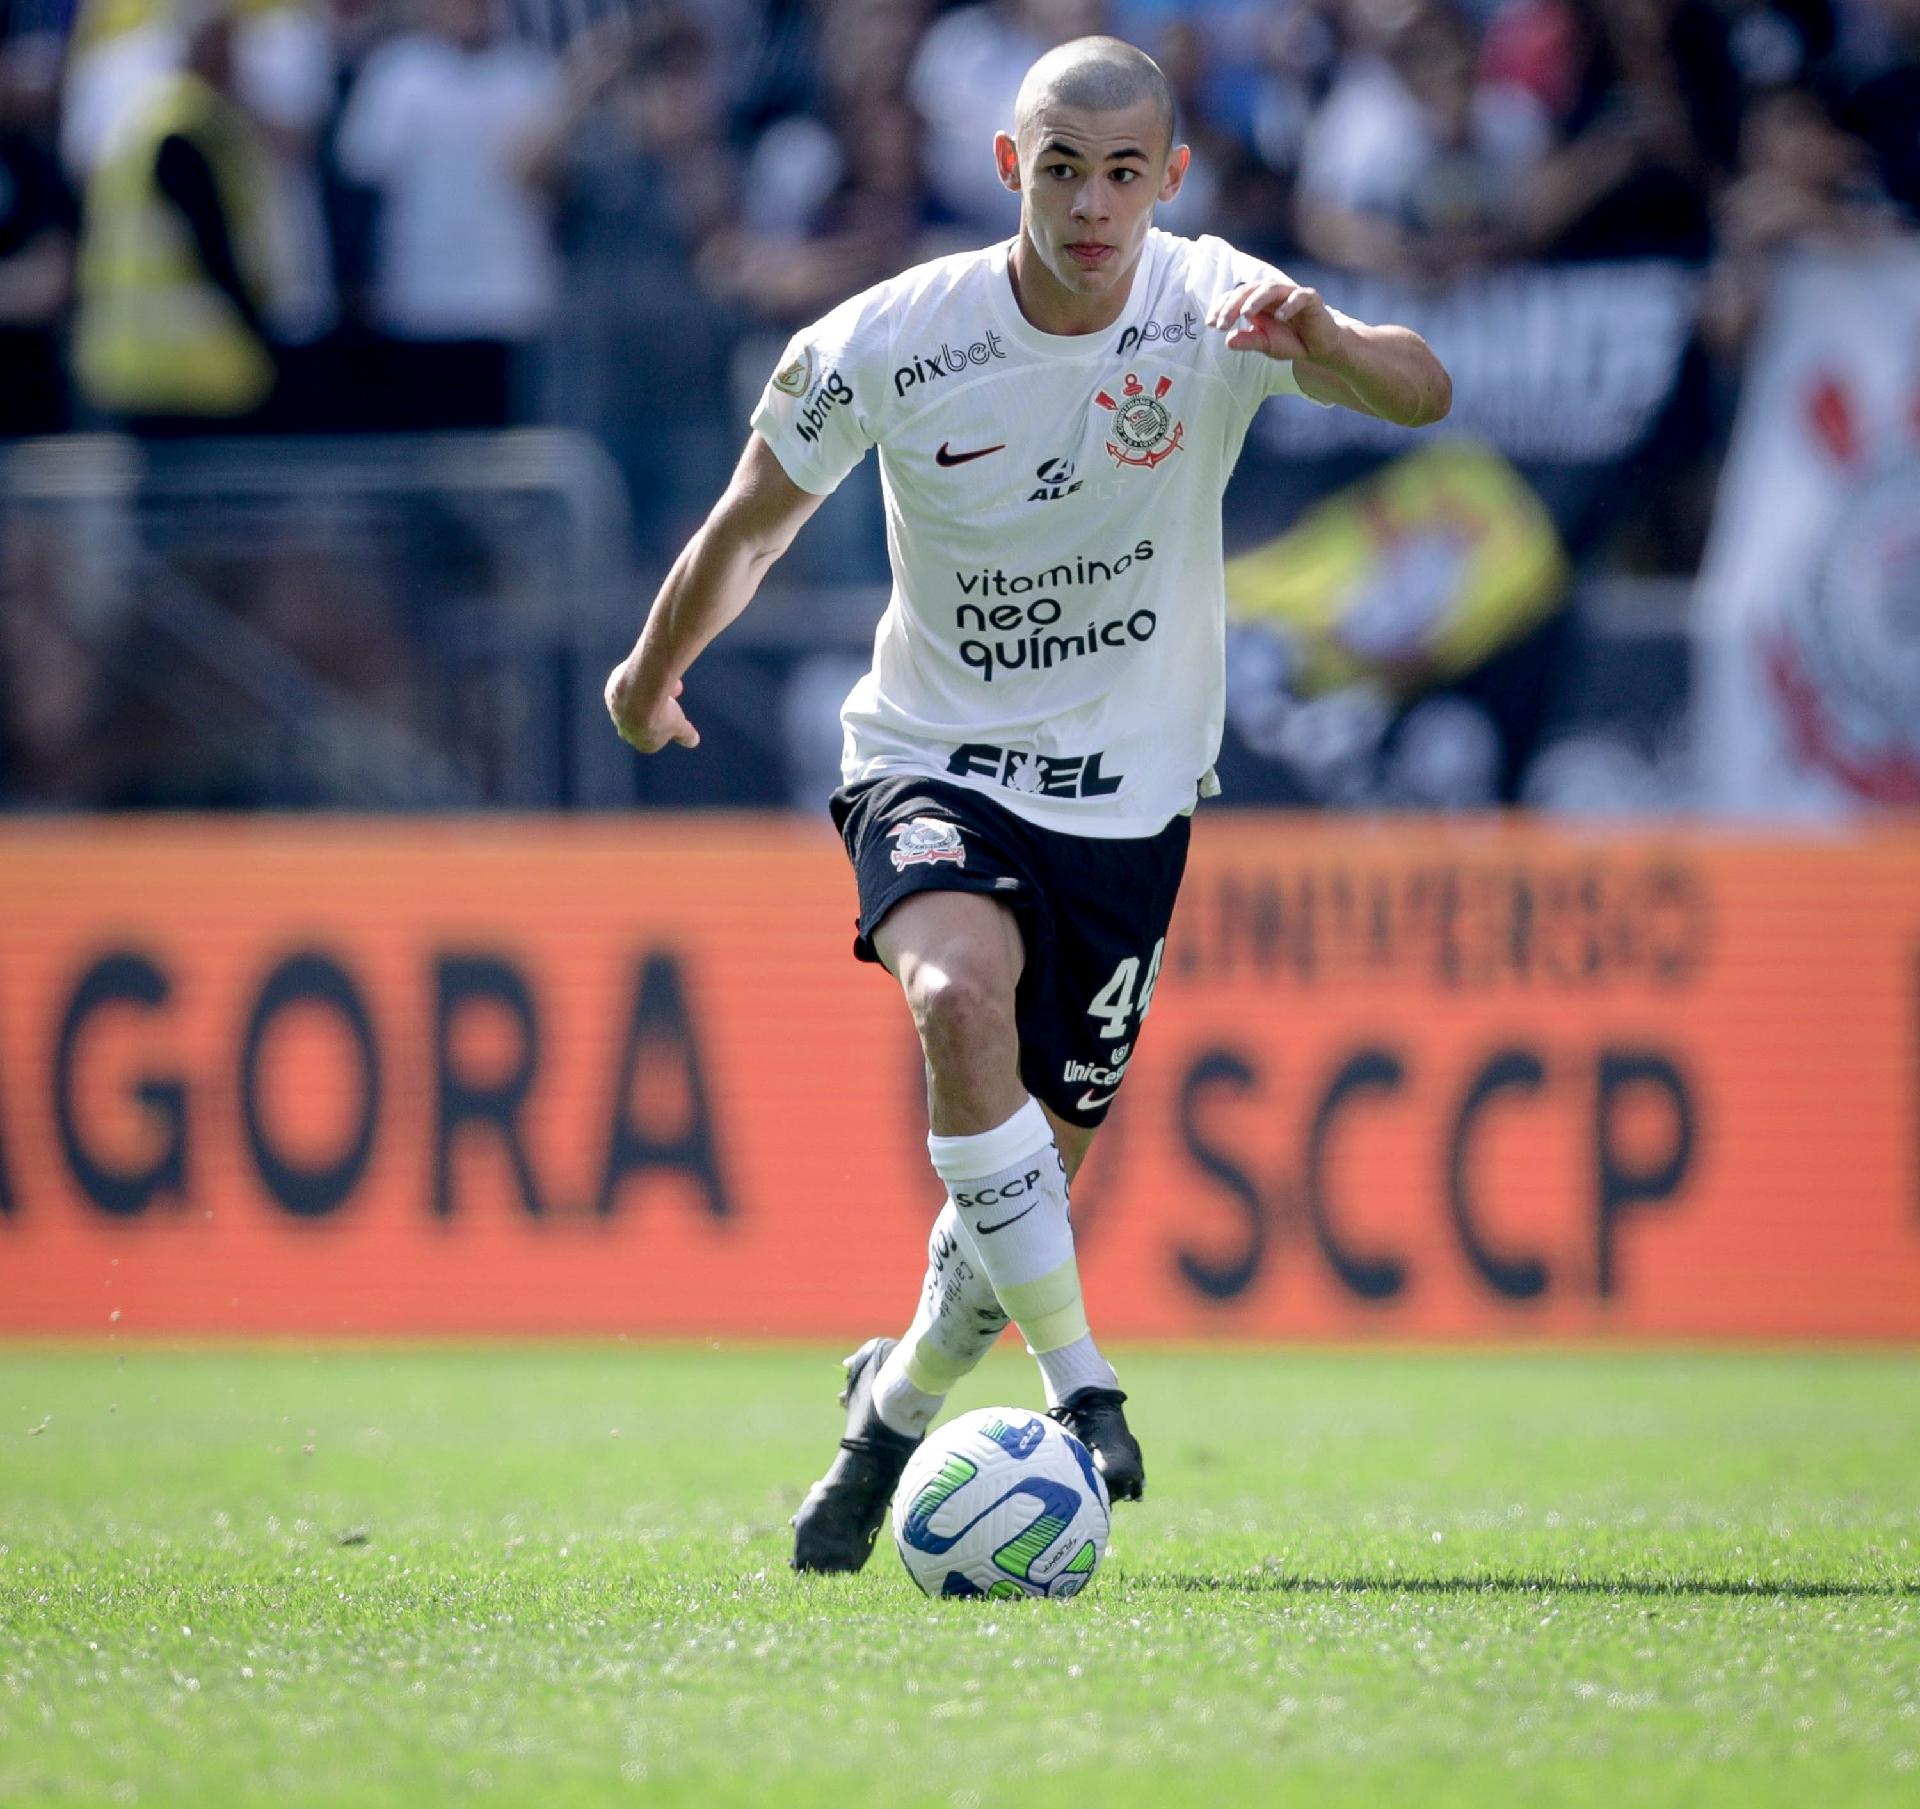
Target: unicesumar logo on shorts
x,y
1142,424
923,842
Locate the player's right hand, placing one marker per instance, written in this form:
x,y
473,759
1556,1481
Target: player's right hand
x,y
648,727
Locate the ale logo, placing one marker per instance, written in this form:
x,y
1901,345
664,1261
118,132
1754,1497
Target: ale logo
x,y
1056,480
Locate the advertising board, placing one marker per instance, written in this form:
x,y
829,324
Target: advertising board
x,y
1466,1081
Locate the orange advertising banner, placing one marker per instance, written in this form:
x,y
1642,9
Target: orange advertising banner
x,y
1424,1080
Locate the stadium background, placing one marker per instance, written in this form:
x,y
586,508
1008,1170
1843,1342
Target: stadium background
x,y
438,1146
511,282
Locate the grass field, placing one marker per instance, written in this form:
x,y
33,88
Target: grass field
x,y
558,1574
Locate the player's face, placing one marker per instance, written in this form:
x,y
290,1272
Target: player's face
x,y
1088,183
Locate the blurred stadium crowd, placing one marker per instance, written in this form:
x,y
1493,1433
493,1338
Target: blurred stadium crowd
x,y
393,215
407,202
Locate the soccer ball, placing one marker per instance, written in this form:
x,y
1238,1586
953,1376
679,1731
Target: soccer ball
x,y
1001,1502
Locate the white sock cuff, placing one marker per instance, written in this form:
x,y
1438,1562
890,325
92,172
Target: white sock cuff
x,y
989,1152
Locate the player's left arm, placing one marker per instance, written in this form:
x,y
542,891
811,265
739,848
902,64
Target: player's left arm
x,y
1390,372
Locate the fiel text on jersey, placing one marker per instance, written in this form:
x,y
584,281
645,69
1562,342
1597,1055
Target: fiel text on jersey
x,y
1035,775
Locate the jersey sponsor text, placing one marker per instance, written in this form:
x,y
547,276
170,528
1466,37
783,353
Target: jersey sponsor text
x,y
1101,1077
834,392
949,361
1056,480
1041,652
1080,570
1035,775
1152,331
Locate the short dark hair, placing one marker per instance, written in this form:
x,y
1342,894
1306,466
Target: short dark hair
x,y
1100,75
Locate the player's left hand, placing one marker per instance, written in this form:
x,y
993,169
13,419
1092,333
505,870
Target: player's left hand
x,y
1282,319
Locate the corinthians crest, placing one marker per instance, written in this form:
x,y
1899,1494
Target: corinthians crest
x,y
1844,657
1143,425
925,841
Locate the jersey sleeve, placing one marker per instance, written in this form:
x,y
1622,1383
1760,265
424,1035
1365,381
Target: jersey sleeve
x,y
1275,378
1253,374
817,410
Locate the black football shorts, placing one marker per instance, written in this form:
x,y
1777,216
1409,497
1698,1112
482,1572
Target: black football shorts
x,y
1093,912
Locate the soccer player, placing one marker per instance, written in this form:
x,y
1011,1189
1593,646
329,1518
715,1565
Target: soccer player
x,y
1056,419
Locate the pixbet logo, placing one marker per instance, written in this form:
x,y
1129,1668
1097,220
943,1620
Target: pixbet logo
x,y
1147,334
1056,480
949,361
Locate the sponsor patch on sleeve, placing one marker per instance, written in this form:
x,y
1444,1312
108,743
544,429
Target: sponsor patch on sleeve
x,y
796,378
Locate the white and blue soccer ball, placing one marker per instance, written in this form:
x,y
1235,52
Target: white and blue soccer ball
x,y
1001,1502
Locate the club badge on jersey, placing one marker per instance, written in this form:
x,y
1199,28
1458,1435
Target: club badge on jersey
x,y
1142,423
925,841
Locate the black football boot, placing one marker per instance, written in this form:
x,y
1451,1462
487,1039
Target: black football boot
x,y
844,1511
1093,1416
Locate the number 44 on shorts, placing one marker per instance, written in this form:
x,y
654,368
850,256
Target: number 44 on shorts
x,y
1115,1005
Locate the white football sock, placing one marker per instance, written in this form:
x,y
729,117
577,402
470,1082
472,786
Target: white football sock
x,y
1073,1367
1011,1190
900,1405
953,1328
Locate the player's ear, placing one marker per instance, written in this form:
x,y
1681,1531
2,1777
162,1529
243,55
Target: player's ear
x,y
1177,160
1006,159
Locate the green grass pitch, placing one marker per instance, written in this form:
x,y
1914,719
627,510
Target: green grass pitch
x,y
558,1574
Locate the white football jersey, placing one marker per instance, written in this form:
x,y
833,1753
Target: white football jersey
x,y
1056,634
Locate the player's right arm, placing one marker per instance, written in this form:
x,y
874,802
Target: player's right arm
x,y
711,582
812,426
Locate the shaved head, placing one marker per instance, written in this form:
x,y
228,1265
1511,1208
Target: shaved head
x,y
1095,75
1090,156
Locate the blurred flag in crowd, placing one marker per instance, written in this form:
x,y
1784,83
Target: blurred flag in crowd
x,y
1397,587
1808,614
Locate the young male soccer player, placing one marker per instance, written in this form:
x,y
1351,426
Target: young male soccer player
x,y
1057,418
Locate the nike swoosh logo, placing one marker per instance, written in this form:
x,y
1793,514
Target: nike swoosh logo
x,y
989,1230
1088,1103
944,457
